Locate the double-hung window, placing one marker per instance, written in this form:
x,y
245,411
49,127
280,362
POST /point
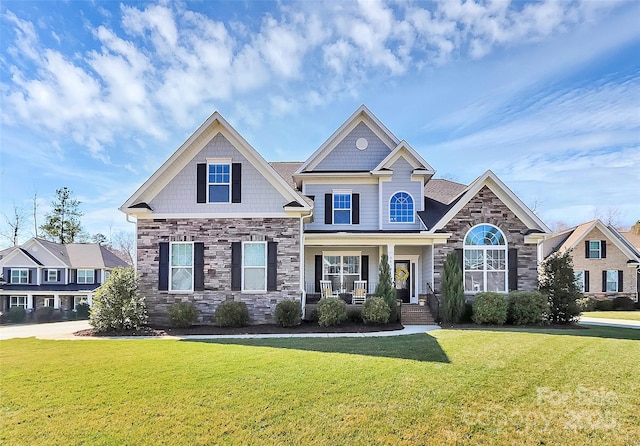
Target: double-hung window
x,y
485,260
52,275
86,276
341,208
20,275
612,281
49,302
595,249
219,182
580,279
181,267
18,301
401,208
254,266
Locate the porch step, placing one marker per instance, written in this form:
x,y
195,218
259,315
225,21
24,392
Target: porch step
x,y
411,314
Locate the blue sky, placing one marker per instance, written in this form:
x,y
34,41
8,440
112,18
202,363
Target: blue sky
x,y
97,95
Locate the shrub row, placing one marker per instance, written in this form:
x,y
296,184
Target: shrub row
x,y
589,303
517,307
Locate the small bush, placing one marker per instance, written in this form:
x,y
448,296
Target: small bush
x,y
82,311
623,304
182,314
375,311
288,313
467,313
17,315
232,314
44,314
354,315
604,305
528,307
331,311
587,303
490,308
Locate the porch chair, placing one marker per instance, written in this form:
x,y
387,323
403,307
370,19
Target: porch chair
x,y
359,292
325,289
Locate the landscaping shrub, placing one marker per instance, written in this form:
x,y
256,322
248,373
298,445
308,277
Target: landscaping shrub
x,y
490,308
354,315
82,311
3,317
528,307
558,283
375,311
385,288
44,314
587,303
118,305
467,314
182,314
604,305
288,313
453,299
623,304
232,314
331,311
17,315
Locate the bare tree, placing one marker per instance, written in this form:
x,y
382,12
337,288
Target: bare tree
x,y
14,225
124,244
558,226
35,213
610,217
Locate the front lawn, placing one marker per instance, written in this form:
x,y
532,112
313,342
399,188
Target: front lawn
x,y
508,386
626,315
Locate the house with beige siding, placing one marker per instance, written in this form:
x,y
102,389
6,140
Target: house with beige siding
x,y
217,222
605,262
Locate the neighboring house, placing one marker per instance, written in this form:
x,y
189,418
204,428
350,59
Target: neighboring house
x,y
217,222
605,262
41,273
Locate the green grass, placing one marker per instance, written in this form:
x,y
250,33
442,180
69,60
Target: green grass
x,y
510,386
626,315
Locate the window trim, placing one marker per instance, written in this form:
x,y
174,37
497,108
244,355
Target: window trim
x,y
265,268
105,275
85,282
334,209
49,299
485,248
599,242
11,305
223,162
20,270
171,267
615,271
49,271
413,208
578,283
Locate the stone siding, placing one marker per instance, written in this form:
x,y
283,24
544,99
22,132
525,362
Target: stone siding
x,y
486,207
217,236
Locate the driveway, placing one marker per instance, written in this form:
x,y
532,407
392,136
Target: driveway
x,y
54,330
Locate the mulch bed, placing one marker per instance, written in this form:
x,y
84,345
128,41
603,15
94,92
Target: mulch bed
x,y
305,327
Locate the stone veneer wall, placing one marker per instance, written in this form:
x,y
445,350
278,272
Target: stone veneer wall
x,y
217,236
486,207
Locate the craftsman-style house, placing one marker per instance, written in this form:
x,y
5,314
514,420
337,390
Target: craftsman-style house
x,y
216,222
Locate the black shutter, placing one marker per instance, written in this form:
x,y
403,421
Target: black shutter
x,y
365,268
272,266
355,209
328,209
513,269
73,276
198,266
603,249
236,183
236,266
58,276
604,281
460,253
163,266
620,279
30,278
318,273
201,183
586,281
586,249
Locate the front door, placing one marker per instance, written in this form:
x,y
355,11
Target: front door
x,y
402,272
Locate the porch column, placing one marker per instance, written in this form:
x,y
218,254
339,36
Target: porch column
x,y
56,301
29,301
90,298
391,253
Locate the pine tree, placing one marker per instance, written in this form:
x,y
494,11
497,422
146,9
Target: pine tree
x,y
385,287
452,292
558,282
63,222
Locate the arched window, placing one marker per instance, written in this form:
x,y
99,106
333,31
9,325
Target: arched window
x,y
485,260
401,208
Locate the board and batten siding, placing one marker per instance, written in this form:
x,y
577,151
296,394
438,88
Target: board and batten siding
x,y
368,206
401,182
346,156
179,196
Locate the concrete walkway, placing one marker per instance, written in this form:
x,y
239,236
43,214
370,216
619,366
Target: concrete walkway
x,y
65,330
620,323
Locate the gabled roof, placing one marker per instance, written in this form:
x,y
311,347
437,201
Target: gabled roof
x,y
403,149
490,180
574,237
362,114
190,148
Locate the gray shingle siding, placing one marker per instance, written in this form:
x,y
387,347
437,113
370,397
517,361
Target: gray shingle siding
x,y
368,205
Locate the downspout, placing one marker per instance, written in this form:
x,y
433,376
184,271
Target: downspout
x,y
303,293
